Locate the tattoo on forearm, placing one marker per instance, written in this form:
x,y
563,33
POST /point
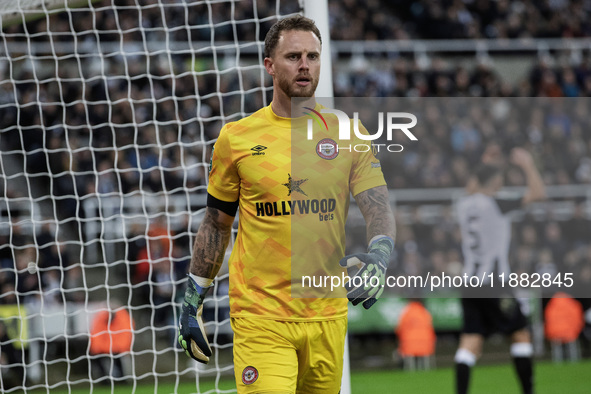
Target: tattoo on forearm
x,y
210,245
375,207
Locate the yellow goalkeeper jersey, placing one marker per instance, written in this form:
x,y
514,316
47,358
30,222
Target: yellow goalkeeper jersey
x,y
293,204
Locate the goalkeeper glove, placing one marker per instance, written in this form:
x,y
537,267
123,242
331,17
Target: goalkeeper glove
x,y
192,336
368,283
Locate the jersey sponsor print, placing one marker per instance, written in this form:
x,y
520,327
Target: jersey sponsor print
x,y
293,201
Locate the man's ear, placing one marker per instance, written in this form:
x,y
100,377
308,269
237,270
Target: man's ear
x,y
268,62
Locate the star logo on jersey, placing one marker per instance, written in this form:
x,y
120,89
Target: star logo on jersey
x,y
258,150
294,186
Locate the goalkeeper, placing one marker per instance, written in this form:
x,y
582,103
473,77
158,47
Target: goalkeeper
x,y
284,344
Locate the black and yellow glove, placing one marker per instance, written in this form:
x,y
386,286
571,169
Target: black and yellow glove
x,y
192,335
367,285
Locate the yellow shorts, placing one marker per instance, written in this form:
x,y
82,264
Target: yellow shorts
x,y
273,356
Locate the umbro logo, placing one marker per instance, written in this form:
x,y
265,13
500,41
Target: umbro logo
x,y
258,150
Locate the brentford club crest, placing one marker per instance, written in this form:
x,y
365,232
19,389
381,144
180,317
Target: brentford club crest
x,y
249,375
327,149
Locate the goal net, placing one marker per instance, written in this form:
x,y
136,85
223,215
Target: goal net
x,y
108,113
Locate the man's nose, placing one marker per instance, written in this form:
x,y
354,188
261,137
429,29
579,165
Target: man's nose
x,y
304,63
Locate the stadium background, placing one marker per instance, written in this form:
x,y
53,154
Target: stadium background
x,y
108,112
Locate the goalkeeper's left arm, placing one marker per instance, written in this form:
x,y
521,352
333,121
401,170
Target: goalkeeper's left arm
x,y
208,255
381,233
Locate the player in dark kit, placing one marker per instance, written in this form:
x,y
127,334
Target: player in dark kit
x,y
486,235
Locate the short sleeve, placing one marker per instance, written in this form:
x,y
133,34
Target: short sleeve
x,y
366,172
508,204
224,181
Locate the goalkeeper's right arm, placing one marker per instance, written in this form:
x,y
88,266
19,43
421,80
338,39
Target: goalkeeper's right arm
x,y
208,255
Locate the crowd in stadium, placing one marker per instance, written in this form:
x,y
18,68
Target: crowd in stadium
x,y
113,125
452,19
549,246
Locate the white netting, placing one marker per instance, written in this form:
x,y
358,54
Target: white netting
x,y
108,111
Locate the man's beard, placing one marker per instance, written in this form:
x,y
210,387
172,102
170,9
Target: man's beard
x,y
293,90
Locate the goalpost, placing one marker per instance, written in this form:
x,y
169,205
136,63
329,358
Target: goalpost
x,y
108,112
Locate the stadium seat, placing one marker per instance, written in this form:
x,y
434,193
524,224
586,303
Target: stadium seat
x,y
563,325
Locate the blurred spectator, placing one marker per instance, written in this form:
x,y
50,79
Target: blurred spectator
x,y
563,322
52,287
577,227
12,369
554,240
27,285
415,333
55,256
111,337
74,287
162,296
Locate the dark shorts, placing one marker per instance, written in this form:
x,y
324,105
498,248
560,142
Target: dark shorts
x,y
486,316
